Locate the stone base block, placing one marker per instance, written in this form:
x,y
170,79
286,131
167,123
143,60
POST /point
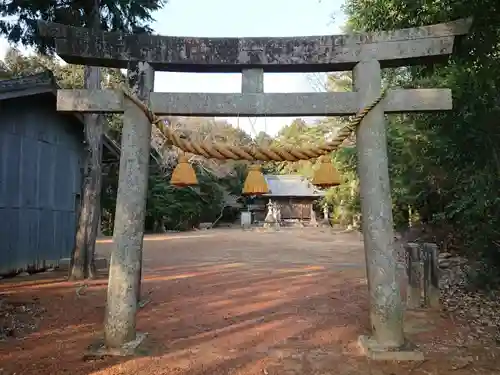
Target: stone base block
x,y
271,226
99,350
326,223
380,353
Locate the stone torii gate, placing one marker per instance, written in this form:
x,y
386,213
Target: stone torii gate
x,y
365,54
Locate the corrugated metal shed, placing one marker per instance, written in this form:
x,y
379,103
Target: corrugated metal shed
x,y
41,154
291,186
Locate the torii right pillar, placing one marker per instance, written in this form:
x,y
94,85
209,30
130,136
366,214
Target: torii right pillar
x,y
386,305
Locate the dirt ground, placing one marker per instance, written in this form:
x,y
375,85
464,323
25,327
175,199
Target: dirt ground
x,y
233,302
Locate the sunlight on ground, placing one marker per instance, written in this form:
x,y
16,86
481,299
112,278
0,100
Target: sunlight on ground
x,y
233,302
165,237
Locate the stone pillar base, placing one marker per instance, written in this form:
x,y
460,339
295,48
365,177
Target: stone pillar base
x,y
325,223
271,225
98,350
375,351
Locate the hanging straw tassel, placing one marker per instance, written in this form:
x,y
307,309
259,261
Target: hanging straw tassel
x,y
255,183
326,175
183,174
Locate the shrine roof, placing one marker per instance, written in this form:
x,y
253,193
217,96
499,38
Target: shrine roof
x,y
291,186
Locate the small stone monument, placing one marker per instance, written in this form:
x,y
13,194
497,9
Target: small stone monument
x,y
270,219
326,217
313,221
277,214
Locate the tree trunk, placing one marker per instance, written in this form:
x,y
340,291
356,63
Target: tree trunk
x,y
96,183
82,261
79,254
159,226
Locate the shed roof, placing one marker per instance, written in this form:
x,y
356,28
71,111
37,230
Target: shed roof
x,y
291,186
33,84
43,83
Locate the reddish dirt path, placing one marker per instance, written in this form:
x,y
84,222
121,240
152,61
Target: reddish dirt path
x,y
232,302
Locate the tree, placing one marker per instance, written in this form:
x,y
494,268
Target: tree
x,y
445,165
263,139
82,261
174,208
19,23
67,76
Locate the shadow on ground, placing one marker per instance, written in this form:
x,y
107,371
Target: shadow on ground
x,y
235,303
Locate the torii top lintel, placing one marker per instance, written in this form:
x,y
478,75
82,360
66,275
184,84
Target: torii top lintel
x,y
418,45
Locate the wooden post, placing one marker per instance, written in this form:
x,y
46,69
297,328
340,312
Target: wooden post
x,y
126,256
386,309
431,275
414,293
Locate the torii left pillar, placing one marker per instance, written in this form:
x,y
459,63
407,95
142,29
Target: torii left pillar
x,y
126,256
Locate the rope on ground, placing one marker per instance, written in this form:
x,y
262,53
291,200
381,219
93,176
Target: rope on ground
x,y
254,153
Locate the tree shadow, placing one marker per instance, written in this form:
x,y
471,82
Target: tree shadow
x,y
214,317
220,306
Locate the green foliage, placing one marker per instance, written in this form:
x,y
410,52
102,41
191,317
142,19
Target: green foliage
x,y
343,201
185,208
301,134
263,139
178,209
445,166
19,17
67,75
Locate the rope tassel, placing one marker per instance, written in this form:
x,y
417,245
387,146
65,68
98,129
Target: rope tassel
x,y
326,175
255,183
183,174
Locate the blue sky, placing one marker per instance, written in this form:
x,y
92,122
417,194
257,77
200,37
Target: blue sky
x,y
230,18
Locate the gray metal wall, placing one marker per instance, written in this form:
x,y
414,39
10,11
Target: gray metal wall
x,y
40,158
